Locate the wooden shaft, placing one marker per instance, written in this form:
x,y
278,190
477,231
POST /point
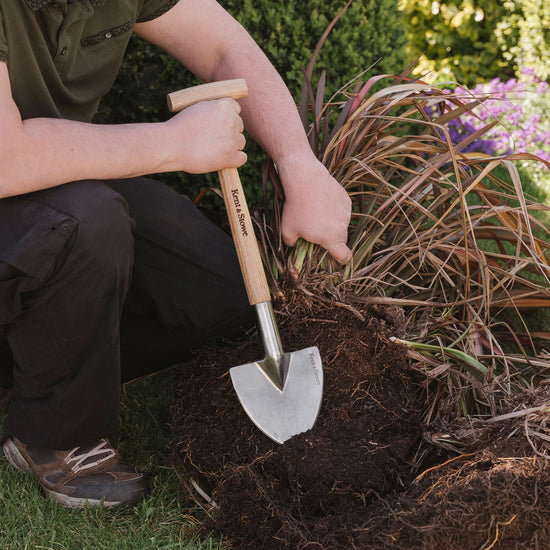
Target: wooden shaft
x,y
240,221
244,237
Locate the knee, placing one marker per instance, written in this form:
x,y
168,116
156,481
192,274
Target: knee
x,y
103,238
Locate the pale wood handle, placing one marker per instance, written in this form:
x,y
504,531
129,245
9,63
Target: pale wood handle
x,y
242,229
235,89
240,221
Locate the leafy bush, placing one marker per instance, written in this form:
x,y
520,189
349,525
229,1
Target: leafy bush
x,y
370,30
456,39
468,42
524,35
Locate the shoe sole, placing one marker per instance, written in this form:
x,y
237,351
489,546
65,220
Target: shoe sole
x,y
73,502
17,460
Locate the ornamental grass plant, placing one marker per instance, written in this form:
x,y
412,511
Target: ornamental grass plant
x,y
442,231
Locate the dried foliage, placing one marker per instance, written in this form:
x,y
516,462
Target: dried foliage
x,y
449,256
447,235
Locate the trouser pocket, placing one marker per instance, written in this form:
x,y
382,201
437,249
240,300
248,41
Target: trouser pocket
x,y
32,238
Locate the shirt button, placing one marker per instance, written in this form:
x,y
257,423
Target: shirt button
x,y
108,35
63,51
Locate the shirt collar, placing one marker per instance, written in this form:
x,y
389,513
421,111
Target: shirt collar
x,y
37,4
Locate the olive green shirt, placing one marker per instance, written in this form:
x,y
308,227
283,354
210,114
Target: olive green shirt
x,y
64,55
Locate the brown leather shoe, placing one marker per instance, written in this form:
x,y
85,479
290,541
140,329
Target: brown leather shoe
x,y
92,475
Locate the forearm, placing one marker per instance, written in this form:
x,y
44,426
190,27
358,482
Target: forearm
x,y
43,153
269,111
216,47
317,207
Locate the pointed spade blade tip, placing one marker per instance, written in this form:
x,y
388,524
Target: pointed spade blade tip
x,y
282,415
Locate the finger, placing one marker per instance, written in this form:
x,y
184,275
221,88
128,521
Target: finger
x,y
241,159
290,239
236,104
242,142
240,124
340,252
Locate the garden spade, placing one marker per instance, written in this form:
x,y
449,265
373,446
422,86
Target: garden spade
x,y
282,393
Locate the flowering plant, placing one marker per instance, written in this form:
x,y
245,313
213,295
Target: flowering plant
x,y
520,105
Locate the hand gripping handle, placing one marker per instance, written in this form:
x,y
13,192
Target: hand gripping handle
x,y
240,221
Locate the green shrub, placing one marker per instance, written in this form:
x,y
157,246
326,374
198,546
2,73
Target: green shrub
x,y
529,22
468,42
288,33
456,40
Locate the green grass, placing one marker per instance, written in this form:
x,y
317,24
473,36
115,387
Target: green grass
x,y
166,519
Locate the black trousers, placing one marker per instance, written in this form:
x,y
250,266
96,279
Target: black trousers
x,y
100,283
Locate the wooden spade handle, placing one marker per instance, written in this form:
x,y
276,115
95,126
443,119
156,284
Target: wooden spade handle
x,y
240,220
234,89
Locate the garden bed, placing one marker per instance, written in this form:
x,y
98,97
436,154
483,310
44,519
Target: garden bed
x,y
366,476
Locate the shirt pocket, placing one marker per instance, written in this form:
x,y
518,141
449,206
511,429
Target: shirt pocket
x,y
107,34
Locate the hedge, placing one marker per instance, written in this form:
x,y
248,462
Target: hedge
x,y
456,39
469,41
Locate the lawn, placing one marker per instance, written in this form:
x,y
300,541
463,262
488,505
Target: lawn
x,y
167,519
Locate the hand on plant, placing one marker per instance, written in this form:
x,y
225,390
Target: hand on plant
x,y
317,208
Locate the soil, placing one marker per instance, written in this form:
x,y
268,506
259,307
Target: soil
x,y
364,477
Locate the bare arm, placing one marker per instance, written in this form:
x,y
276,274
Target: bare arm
x,y
204,38
41,152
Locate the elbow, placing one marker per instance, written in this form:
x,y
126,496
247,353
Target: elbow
x,y
9,183
15,166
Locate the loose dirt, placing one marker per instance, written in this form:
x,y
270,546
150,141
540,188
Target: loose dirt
x,y
364,477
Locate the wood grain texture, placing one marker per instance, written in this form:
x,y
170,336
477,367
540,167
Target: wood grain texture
x,y
235,89
242,230
240,221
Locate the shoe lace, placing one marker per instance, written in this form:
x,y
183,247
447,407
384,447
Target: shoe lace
x,y
88,459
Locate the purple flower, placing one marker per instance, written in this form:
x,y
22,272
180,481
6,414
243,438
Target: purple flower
x,y
522,129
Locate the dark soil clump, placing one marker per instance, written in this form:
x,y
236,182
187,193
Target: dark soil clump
x,y
494,496
364,476
313,490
